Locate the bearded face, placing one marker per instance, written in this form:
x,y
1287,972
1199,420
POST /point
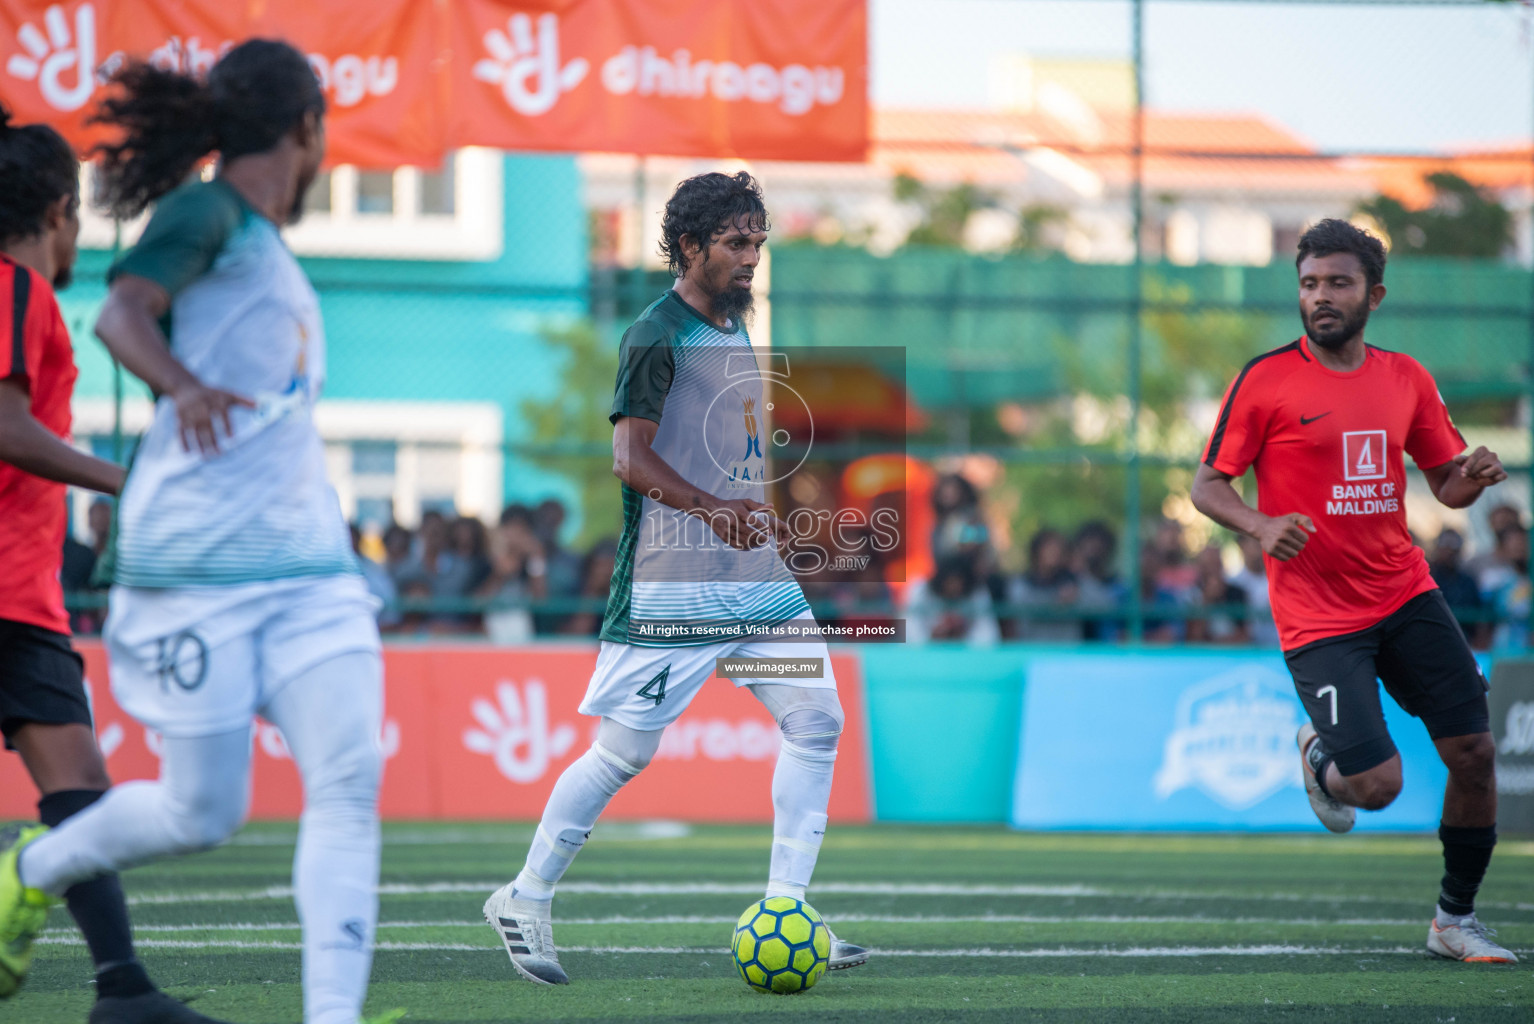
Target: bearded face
x,y
727,270
1333,324
1335,299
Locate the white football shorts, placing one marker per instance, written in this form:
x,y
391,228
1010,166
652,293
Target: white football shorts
x,y
648,688
199,661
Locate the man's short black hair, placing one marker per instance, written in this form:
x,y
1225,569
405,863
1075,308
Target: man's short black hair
x,y
1331,236
37,169
704,206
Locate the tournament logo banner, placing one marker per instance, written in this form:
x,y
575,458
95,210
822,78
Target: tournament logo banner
x,y
1186,741
408,81
1512,728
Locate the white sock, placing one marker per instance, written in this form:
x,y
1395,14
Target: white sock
x,y
1444,919
583,791
801,789
330,718
199,801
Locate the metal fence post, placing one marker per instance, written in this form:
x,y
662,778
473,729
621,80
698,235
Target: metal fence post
x,y
1530,372
1137,309
117,368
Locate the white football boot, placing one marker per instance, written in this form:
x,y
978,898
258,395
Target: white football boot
x,y
526,929
1469,940
1334,814
844,954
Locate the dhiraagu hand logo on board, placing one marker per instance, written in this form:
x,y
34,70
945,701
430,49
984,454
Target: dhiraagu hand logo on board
x,y
1233,739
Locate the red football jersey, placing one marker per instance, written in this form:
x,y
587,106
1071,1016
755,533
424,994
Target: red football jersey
x,y
35,352
1328,445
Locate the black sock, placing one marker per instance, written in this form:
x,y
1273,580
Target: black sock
x,y
1319,760
1466,853
98,906
122,981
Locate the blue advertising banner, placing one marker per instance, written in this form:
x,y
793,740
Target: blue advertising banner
x,y
1184,741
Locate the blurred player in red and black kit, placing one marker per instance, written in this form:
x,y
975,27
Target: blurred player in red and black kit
x,y
44,713
1325,421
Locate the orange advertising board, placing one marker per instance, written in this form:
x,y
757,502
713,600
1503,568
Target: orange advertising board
x,y
406,80
481,732
782,79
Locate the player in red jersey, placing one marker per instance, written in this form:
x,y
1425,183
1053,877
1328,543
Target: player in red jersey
x,y
44,713
1325,421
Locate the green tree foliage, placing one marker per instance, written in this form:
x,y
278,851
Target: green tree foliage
x,y
1037,226
1462,220
1189,355
945,212
574,418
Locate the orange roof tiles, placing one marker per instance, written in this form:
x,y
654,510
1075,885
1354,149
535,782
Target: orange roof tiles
x,y
1210,152
1500,170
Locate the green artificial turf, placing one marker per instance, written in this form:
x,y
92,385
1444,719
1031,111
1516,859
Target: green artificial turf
x,y
967,924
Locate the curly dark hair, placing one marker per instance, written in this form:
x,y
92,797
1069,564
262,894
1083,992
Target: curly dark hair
x,y
257,93
1331,236
37,168
703,207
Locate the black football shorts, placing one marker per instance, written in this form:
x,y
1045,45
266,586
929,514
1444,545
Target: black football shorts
x,y
42,679
1422,657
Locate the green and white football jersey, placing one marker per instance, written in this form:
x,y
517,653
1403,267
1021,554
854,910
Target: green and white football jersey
x,y
676,583
243,318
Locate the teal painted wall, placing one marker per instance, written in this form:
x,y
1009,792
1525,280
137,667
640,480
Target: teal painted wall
x,y
943,730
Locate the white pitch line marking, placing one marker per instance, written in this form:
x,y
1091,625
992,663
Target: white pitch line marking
x,y
641,889
283,892
624,831
981,952
1309,922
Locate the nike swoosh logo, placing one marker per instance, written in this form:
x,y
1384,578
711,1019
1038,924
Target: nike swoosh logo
x,y
1306,421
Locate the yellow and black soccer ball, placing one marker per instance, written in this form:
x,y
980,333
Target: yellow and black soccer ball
x,y
781,945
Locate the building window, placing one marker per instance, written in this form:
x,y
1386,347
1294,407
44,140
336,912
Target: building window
x,y
318,198
436,190
373,457
452,213
375,192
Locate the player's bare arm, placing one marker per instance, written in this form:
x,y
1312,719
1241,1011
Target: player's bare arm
x,y
28,445
129,327
738,521
1460,481
1282,537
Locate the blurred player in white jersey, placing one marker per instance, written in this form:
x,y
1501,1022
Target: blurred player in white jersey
x,y
698,576
235,590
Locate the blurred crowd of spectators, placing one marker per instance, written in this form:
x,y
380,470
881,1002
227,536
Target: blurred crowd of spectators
x,y
1072,588
511,581
515,580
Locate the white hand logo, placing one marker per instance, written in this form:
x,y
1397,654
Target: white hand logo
x,y
528,70
110,739
48,58
517,733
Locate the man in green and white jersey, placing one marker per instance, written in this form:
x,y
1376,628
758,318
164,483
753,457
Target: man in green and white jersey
x,y
235,588
698,573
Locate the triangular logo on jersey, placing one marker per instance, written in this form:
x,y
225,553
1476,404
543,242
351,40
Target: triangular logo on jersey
x,y
1366,466
655,689
1365,454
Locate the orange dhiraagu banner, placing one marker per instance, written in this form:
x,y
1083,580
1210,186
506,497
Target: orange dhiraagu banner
x,y
408,80
376,62
479,732
769,79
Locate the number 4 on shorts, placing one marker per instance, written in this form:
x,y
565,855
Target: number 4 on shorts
x,y
655,689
